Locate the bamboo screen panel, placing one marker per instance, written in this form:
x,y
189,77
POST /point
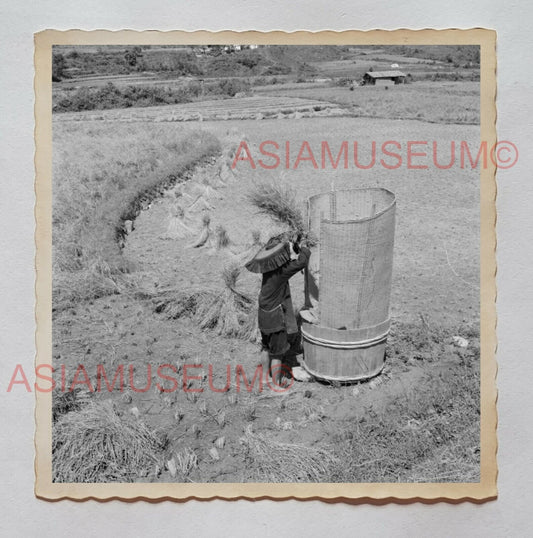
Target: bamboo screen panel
x,y
356,231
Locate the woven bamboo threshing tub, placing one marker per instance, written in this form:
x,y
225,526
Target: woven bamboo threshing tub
x,y
350,276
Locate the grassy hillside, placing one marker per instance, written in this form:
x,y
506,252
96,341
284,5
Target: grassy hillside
x,y
457,54
265,60
86,78
97,189
115,96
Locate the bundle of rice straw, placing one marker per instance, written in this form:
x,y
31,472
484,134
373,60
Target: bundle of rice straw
x,y
95,444
225,173
193,188
200,204
227,312
210,193
223,239
223,242
177,228
178,303
204,239
204,189
279,202
213,180
65,401
273,461
250,329
183,196
71,287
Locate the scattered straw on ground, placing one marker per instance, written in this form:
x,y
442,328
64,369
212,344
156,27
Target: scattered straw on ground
x,y
177,303
273,461
96,444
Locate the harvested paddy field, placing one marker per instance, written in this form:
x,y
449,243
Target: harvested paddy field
x,y
418,421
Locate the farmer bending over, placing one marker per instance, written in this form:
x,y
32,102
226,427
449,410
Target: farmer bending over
x,y
278,261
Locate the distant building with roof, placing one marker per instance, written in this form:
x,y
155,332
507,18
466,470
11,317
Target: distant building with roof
x,y
383,78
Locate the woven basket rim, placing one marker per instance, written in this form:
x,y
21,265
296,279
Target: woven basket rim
x,y
363,219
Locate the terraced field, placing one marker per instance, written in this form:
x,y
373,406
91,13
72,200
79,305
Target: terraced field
x,y
218,109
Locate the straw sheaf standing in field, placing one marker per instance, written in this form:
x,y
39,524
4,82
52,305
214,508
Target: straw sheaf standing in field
x,y
177,227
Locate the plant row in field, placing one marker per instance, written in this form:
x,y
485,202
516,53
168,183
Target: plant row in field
x,y
219,109
112,96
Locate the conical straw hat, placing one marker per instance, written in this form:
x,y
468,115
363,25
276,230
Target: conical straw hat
x,y
268,259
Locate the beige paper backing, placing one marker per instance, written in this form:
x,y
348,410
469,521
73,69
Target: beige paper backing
x,y
377,493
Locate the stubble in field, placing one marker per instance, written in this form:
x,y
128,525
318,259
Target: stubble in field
x,y
419,422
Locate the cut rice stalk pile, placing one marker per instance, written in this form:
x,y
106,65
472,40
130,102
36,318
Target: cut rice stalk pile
x,y
222,237
250,327
96,444
91,282
273,461
227,313
204,239
177,304
279,202
65,401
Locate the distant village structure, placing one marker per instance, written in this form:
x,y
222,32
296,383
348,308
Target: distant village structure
x,y
215,50
384,78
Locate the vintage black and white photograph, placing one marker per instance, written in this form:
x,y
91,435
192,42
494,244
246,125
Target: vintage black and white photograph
x,y
266,263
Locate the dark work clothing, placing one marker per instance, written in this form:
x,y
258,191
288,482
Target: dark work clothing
x,y
277,344
275,306
275,286
272,321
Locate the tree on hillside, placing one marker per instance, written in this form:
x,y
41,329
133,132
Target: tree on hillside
x,y
215,50
58,67
305,70
131,56
184,64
